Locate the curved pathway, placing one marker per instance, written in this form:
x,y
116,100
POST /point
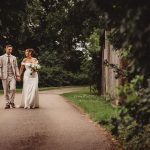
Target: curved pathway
x,y
57,125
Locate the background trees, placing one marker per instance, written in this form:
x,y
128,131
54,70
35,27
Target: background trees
x,y
54,28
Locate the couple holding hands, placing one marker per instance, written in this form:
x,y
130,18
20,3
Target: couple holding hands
x,y
9,74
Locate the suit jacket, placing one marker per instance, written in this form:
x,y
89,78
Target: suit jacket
x,y
3,66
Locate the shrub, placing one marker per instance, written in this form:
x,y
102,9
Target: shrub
x,y
133,124
56,76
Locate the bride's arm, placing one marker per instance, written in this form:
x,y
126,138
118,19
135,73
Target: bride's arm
x,y
22,67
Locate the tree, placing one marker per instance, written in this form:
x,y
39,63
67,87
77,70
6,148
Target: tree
x,y
11,21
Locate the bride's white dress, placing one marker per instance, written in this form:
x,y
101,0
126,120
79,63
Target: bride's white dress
x,y
30,97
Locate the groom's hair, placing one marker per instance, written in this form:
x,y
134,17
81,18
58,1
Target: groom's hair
x,y
8,45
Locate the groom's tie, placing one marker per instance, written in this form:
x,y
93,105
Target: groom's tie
x,y
8,58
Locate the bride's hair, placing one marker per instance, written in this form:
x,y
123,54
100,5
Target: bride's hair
x,y
31,50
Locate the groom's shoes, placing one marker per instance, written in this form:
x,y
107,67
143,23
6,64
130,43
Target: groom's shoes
x,y
7,106
12,105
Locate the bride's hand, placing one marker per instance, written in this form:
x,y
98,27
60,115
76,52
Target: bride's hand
x,y
18,78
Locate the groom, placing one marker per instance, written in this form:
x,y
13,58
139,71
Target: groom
x,y
9,73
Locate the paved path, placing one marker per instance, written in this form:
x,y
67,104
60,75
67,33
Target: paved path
x,y
56,125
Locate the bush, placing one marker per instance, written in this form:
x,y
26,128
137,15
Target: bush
x,y
133,124
56,76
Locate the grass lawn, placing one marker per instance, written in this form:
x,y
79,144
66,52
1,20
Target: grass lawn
x,y
97,107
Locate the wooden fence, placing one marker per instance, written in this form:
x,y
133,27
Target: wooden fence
x,y
109,83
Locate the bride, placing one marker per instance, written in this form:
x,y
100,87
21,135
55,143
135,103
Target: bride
x,y
30,97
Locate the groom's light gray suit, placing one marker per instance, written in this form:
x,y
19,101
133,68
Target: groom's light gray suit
x,y
8,73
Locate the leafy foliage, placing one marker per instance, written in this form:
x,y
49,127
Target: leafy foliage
x,y
130,24
95,61
131,31
53,29
133,125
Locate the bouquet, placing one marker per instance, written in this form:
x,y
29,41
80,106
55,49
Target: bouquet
x,y
35,68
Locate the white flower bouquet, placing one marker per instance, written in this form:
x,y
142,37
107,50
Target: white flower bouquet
x,y
35,68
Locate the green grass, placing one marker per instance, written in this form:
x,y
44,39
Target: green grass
x,y
97,107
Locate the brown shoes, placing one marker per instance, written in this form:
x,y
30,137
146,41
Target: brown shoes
x,y
12,105
7,106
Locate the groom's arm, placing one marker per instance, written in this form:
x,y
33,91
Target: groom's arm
x,y
16,68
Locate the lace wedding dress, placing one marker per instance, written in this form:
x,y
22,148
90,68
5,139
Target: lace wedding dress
x,y
30,97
